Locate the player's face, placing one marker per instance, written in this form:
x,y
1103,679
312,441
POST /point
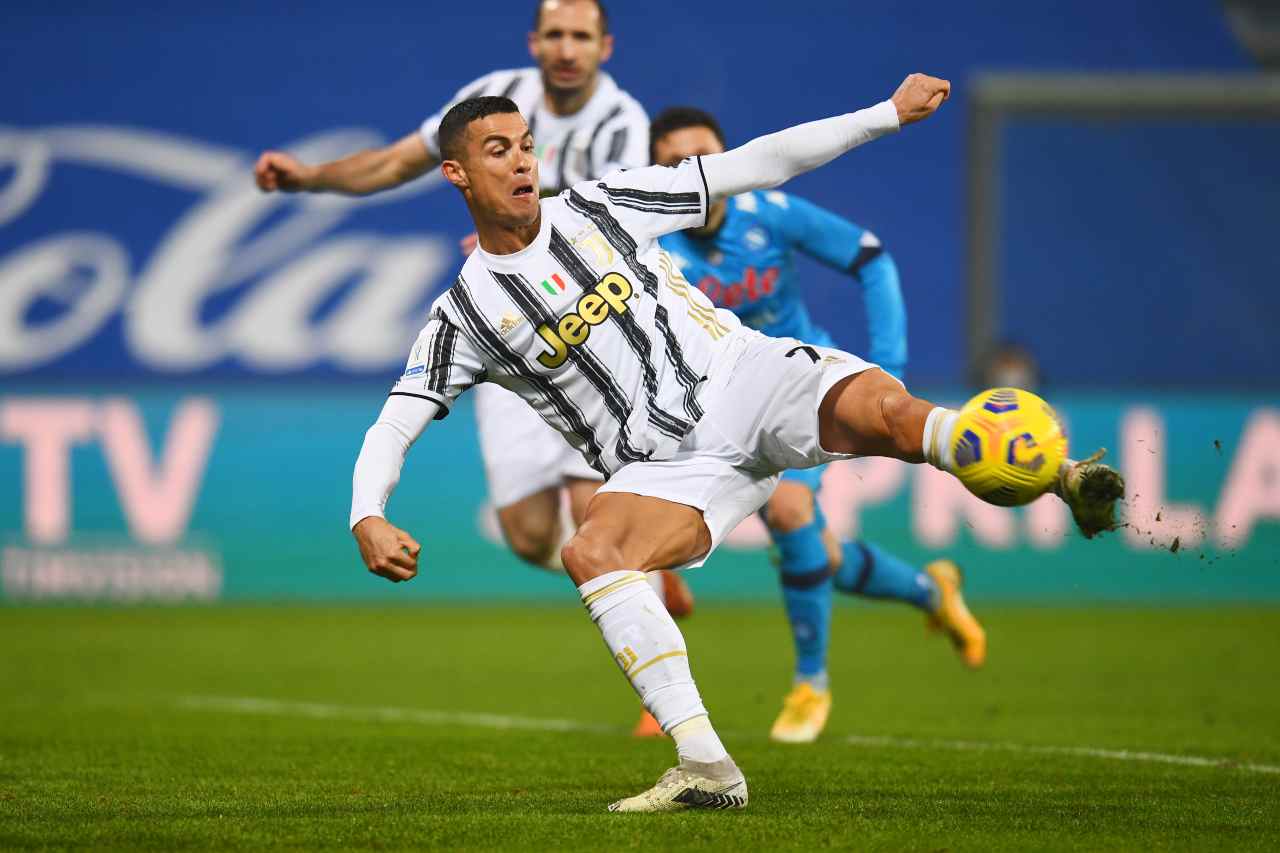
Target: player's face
x,y
684,143
501,170
570,45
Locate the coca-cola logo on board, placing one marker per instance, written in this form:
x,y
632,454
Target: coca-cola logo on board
x,y
277,258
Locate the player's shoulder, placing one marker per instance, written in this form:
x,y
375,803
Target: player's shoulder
x,y
521,83
442,306
654,173
778,210
767,203
766,207
618,106
446,304
515,83
630,109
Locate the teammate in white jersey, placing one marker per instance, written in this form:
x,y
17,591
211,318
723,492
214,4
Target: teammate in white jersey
x,y
690,415
586,127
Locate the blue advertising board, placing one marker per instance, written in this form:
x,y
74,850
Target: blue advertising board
x,y
243,494
133,245
187,366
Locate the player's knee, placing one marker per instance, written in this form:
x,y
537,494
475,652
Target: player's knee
x,y
531,542
588,555
789,510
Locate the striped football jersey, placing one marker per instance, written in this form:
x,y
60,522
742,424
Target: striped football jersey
x,y
611,132
591,324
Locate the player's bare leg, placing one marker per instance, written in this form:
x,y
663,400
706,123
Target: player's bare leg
x,y
624,536
871,414
580,493
670,587
532,528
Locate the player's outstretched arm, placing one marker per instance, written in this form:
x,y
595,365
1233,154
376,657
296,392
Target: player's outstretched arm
x,y
387,551
362,173
769,161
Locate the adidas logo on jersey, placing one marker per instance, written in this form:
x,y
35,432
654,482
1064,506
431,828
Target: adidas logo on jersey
x,y
509,323
609,296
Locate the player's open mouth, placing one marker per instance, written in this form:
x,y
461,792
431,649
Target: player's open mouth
x,y
525,190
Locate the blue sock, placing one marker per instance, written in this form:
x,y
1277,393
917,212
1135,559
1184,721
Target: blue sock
x,y
872,572
806,591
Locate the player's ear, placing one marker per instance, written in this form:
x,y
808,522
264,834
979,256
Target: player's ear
x,y
533,45
456,174
606,48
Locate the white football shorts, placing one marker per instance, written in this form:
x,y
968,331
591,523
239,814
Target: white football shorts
x,y
522,455
760,418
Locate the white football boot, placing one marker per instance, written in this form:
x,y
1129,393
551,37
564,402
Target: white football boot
x,y
691,785
1092,490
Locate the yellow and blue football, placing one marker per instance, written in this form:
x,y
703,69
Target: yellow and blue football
x,y
1008,445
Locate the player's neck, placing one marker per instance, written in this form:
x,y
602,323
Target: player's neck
x,y
567,102
498,239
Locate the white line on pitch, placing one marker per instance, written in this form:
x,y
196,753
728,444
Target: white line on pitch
x,y
318,710
1080,751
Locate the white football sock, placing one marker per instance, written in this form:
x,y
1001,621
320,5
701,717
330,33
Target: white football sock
x,y
938,431
658,585
650,651
696,740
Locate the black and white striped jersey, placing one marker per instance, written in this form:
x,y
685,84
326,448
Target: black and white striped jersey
x,y
591,323
611,132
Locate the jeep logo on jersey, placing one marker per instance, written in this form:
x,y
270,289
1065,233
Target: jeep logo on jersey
x,y
610,295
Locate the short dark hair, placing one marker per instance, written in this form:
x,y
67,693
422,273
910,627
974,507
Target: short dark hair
x,y
453,126
604,17
678,118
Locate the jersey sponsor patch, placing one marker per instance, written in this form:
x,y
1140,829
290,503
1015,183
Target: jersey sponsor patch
x,y
609,296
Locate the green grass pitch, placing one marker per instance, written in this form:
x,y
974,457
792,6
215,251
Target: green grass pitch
x,y
410,727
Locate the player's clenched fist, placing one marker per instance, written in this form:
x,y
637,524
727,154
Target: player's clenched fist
x,y
276,170
918,97
387,550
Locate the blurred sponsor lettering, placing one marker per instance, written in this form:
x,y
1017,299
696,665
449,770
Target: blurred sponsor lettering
x,y
268,260
156,497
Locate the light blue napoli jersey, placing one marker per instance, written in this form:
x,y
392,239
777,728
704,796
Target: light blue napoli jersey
x,y
748,267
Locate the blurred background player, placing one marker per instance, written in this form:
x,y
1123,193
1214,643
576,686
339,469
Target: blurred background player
x,y
744,260
585,126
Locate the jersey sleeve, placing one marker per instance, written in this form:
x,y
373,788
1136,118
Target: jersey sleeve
x,y
443,363
646,203
490,84
620,140
817,232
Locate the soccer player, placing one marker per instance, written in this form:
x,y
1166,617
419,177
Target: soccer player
x,y
692,415
743,259
586,126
